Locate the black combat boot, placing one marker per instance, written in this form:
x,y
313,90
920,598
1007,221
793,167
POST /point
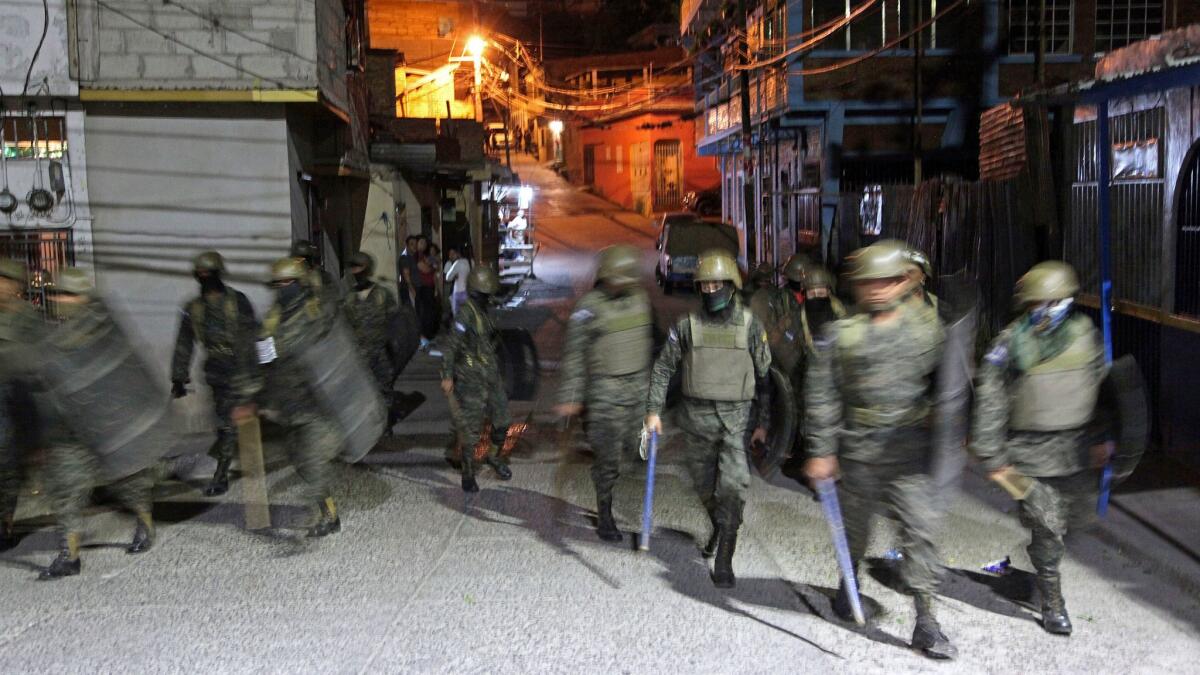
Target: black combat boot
x,y
143,536
329,521
468,470
722,575
710,548
67,563
927,635
841,602
501,469
220,480
606,527
1054,608
8,534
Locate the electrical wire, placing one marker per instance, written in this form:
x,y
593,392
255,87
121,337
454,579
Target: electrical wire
x,y
218,23
41,41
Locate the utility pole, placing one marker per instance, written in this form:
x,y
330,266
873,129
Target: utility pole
x,y
747,156
1039,57
916,15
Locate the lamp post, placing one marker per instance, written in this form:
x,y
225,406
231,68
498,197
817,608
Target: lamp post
x,y
556,128
475,47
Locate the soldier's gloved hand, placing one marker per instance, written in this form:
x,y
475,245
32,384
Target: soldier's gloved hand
x,y
447,387
568,409
178,390
759,436
821,468
654,423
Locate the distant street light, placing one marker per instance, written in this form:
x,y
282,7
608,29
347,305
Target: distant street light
x,y
476,45
556,127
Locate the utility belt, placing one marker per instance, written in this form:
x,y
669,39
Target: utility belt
x,y
874,418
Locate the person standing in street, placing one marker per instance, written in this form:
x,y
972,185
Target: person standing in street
x,y
20,330
605,367
298,317
868,418
1035,405
456,275
723,353
222,320
370,310
471,379
428,313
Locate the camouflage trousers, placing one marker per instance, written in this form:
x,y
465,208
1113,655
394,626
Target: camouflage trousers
x,y
10,482
72,472
720,471
313,442
479,400
225,446
1055,506
904,491
614,433
380,365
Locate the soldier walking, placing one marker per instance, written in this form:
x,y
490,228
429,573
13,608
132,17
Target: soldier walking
x,y
20,329
319,278
821,305
298,317
605,367
222,320
471,378
868,410
1035,404
72,469
723,353
370,309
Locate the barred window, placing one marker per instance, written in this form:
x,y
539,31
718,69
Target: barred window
x,y
42,136
1120,22
1023,26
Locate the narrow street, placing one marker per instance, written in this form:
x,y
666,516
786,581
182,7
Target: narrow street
x,y
514,580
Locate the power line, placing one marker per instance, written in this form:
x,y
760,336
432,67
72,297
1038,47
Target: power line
x,y
38,50
218,23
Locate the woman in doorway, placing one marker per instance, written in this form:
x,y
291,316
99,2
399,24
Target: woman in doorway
x,y
457,269
427,300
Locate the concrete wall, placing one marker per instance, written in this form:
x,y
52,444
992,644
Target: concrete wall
x,y
166,188
421,31
21,24
382,236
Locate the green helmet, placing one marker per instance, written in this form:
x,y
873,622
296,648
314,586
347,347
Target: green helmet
x,y
11,269
885,259
618,265
289,268
818,277
209,261
762,272
796,267
74,281
717,265
1047,281
483,280
304,249
363,260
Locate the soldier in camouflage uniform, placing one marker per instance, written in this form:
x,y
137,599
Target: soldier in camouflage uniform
x,y
20,329
471,378
370,309
725,359
73,470
605,366
298,317
821,305
319,278
778,310
221,319
1035,400
868,416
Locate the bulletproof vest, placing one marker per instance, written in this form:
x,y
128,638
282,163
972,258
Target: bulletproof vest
x,y
214,343
849,338
625,337
718,365
1059,393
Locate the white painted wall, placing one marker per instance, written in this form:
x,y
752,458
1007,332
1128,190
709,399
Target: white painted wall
x,y
165,188
21,23
380,235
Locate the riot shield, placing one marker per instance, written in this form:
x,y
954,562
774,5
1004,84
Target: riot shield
x,y
1125,395
346,390
106,394
519,364
781,433
958,310
404,337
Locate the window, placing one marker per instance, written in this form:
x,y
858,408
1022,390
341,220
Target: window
x,y
1120,22
883,22
20,132
1023,26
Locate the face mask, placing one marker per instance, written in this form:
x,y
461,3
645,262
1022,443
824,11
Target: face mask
x,y
481,299
362,281
1047,316
718,300
290,293
795,286
210,283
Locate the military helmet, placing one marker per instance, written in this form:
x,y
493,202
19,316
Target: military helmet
x,y
885,259
363,260
818,277
796,267
304,249
11,269
764,270
717,265
285,269
483,279
208,261
1047,281
74,281
618,265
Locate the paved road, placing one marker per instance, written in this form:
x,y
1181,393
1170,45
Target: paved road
x,y
424,579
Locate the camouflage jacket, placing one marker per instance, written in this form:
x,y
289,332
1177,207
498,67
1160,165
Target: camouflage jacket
x,y
284,384
1032,453
471,353
370,313
584,328
780,314
865,379
225,324
21,328
698,414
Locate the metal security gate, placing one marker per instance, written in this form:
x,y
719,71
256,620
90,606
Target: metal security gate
x,y
668,173
1187,237
43,252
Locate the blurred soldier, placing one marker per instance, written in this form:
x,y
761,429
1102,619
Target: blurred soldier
x,y
72,470
779,312
370,309
297,318
1035,399
20,329
221,319
868,415
320,279
821,305
605,366
471,378
725,359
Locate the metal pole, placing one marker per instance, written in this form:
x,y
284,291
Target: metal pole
x,y
747,157
918,95
1039,57
1105,225
478,94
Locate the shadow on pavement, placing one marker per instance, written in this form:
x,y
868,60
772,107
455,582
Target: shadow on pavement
x,y
1007,595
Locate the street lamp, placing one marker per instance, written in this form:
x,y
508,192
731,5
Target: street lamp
x,y
556,127
475,47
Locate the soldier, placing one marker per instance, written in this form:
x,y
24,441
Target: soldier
x,y
72,470
606,361
20,329
779,312
726,360
298,317
326,285
1035,400
868,412
370,309
221,319
821,305
471,378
